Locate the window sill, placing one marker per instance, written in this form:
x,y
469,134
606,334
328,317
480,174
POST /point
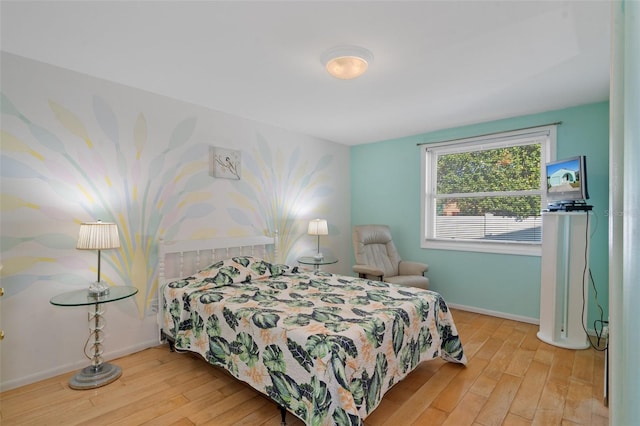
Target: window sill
x,y
518,249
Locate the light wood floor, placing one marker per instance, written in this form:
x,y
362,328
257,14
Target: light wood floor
x,y
511,378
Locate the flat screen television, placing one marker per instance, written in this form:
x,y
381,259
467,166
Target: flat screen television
x,y
567,182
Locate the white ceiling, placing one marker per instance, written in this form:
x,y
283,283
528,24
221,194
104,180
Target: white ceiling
x,y
437,64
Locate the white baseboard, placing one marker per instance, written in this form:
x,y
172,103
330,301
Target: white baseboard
x,y
42,375
497,314
536,321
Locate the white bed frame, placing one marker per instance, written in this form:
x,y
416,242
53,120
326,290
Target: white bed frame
x,y
179,259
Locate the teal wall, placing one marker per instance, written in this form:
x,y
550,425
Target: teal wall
x,y
385,188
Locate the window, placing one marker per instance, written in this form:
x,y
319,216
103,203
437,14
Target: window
x,y
485,193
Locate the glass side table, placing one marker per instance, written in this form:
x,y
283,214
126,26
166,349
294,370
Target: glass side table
x,y
99,373
310,260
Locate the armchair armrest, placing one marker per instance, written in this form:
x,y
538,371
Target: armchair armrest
x,y
412,268
363,270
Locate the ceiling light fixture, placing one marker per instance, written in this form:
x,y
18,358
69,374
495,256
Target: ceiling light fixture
x,y
347,62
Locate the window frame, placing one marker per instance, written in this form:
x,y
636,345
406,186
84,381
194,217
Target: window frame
x,y
428,155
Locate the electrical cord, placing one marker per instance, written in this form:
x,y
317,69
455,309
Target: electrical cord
x,y
601,321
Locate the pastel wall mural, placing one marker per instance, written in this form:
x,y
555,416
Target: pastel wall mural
x,y
280,189
118,181
147,196
77,149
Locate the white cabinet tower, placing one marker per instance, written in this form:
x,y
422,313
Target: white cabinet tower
x,y
564,279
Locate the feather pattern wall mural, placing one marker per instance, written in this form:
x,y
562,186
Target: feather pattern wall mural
x,y
117,179
85,167
278,190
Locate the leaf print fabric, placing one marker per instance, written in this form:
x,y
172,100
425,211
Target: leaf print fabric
x,y
331,345
234,270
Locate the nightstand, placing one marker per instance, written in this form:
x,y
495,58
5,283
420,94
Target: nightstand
x,y
310,260
99,373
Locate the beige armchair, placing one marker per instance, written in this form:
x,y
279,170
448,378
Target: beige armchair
x,y
378,259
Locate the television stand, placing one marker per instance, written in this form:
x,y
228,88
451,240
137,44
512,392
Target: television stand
x,y
565,249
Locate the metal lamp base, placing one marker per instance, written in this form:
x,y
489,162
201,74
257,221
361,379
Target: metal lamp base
x,y
93,377
318,256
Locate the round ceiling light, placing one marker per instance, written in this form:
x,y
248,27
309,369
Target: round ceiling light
x,y
347,62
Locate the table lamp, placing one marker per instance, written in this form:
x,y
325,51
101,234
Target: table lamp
x,y
98,236
318,227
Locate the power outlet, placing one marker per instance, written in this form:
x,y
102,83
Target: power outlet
x,y
153,307
605,332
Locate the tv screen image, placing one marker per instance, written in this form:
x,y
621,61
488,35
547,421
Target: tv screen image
x,y
567,181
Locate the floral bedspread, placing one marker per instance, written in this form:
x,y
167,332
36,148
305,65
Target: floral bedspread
x,y
326,347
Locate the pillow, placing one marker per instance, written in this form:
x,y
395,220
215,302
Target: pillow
x,y
278,269
230,271
240,269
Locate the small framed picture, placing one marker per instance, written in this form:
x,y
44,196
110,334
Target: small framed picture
x,y
224,163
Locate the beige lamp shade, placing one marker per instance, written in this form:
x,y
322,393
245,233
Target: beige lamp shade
x,y
98,236
318,227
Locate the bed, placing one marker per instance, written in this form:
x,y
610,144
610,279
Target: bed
x,y
324,347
